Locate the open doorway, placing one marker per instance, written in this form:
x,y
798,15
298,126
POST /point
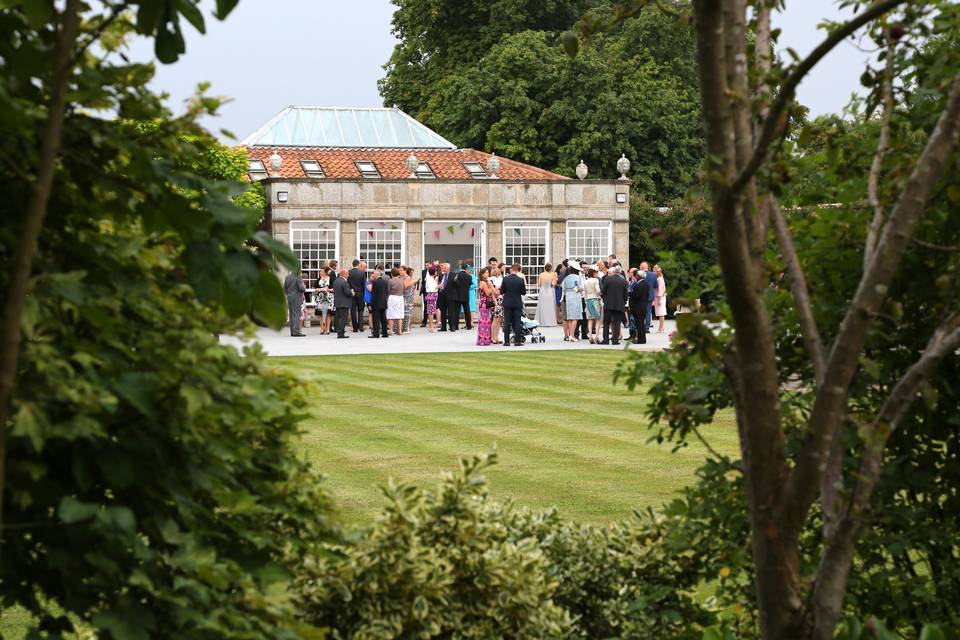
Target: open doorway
x,y
454,240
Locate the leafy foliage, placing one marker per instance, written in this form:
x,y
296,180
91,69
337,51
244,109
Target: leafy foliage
x,y
506,85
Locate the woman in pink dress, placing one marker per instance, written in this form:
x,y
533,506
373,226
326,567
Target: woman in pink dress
x,y
660,302
485,304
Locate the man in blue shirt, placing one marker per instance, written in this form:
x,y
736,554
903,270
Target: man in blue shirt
x,y
651,279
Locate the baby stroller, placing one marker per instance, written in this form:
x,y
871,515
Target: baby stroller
x,y
531,329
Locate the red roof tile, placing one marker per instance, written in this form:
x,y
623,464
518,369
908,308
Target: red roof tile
x,y
392,163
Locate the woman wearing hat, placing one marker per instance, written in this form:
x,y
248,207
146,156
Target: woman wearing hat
x,y
591,292
573,300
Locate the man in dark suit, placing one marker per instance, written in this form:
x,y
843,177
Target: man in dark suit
x,y
651,279
514,287
294,289
639,302
442,290
613,290
357,279
423,291
463,280
453,300
343,298
378,302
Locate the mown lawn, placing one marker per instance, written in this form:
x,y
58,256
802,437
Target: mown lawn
x,y
565,435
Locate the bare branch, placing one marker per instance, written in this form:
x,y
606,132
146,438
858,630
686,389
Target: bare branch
x,y
873,179
834,569
800,291
934,247
19,281
829,408
771,126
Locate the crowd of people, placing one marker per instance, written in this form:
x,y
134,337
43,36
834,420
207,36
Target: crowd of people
x,y
594,302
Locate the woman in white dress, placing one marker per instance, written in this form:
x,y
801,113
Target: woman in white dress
x,y
660,302
395,302
546,310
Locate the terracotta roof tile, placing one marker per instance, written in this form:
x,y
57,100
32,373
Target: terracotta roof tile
x,y
392,163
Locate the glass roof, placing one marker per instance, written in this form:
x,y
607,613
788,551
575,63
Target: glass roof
x,y
352,128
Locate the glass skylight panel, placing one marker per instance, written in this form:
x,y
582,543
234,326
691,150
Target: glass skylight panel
x,y
352,127
257,170
424,171
367,169
475,169
312,169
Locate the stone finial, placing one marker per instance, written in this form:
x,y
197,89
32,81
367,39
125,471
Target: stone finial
x,y
275,163
493,165
623,166
582,170
412,165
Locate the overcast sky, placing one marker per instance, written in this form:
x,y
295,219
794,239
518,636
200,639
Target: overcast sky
x,y
272,53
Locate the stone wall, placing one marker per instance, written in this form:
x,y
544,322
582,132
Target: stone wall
x,y
414,201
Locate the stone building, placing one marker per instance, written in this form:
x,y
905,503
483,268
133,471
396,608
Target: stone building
x,y
378,185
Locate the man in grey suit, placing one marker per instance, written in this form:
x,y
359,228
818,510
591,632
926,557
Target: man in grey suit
x,y
343,295
294,288
651,279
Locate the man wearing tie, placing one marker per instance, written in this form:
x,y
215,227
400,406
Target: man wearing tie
x,y
294,289
442,291
613,290
357,279
378,302
343,297
651,279
513,289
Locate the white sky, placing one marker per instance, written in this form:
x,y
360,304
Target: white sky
x,y
272,53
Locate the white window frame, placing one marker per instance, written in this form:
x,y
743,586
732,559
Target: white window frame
x,y
372,173
298,228
479,174
479,263
425,171
312,173
572,252
531,272
257,170
363,226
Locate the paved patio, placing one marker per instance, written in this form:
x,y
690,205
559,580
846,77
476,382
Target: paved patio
x,y
279,343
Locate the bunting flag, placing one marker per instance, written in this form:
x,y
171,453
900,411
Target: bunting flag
x,y
370,233
436,234
382,223
516,230
473,231
450,229
462,224
393,226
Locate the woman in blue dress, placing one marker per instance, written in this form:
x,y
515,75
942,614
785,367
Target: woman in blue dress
x,y
473,291
572,301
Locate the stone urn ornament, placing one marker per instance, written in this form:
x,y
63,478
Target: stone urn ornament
x,y
582,170
493,165
623,166
412,165
275,163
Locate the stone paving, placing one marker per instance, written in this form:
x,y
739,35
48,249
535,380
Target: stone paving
x,y
280,343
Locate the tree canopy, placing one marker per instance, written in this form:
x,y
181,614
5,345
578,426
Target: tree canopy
x,y
494,76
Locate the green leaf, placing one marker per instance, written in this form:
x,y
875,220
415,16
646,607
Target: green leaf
x,y
224,7
140,390
72,510
932,632
204,263
240,277
169,44
281,252
189,11
269,305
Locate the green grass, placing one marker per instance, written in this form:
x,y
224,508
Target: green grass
x,y
565,436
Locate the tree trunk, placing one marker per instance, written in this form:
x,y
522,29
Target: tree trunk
x,y
19,280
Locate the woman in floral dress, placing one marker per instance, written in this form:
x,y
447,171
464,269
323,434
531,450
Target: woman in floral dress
x,y
485,304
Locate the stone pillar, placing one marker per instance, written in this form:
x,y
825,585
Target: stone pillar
x,y
495,239
414,244
348,241
621,241
558,242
